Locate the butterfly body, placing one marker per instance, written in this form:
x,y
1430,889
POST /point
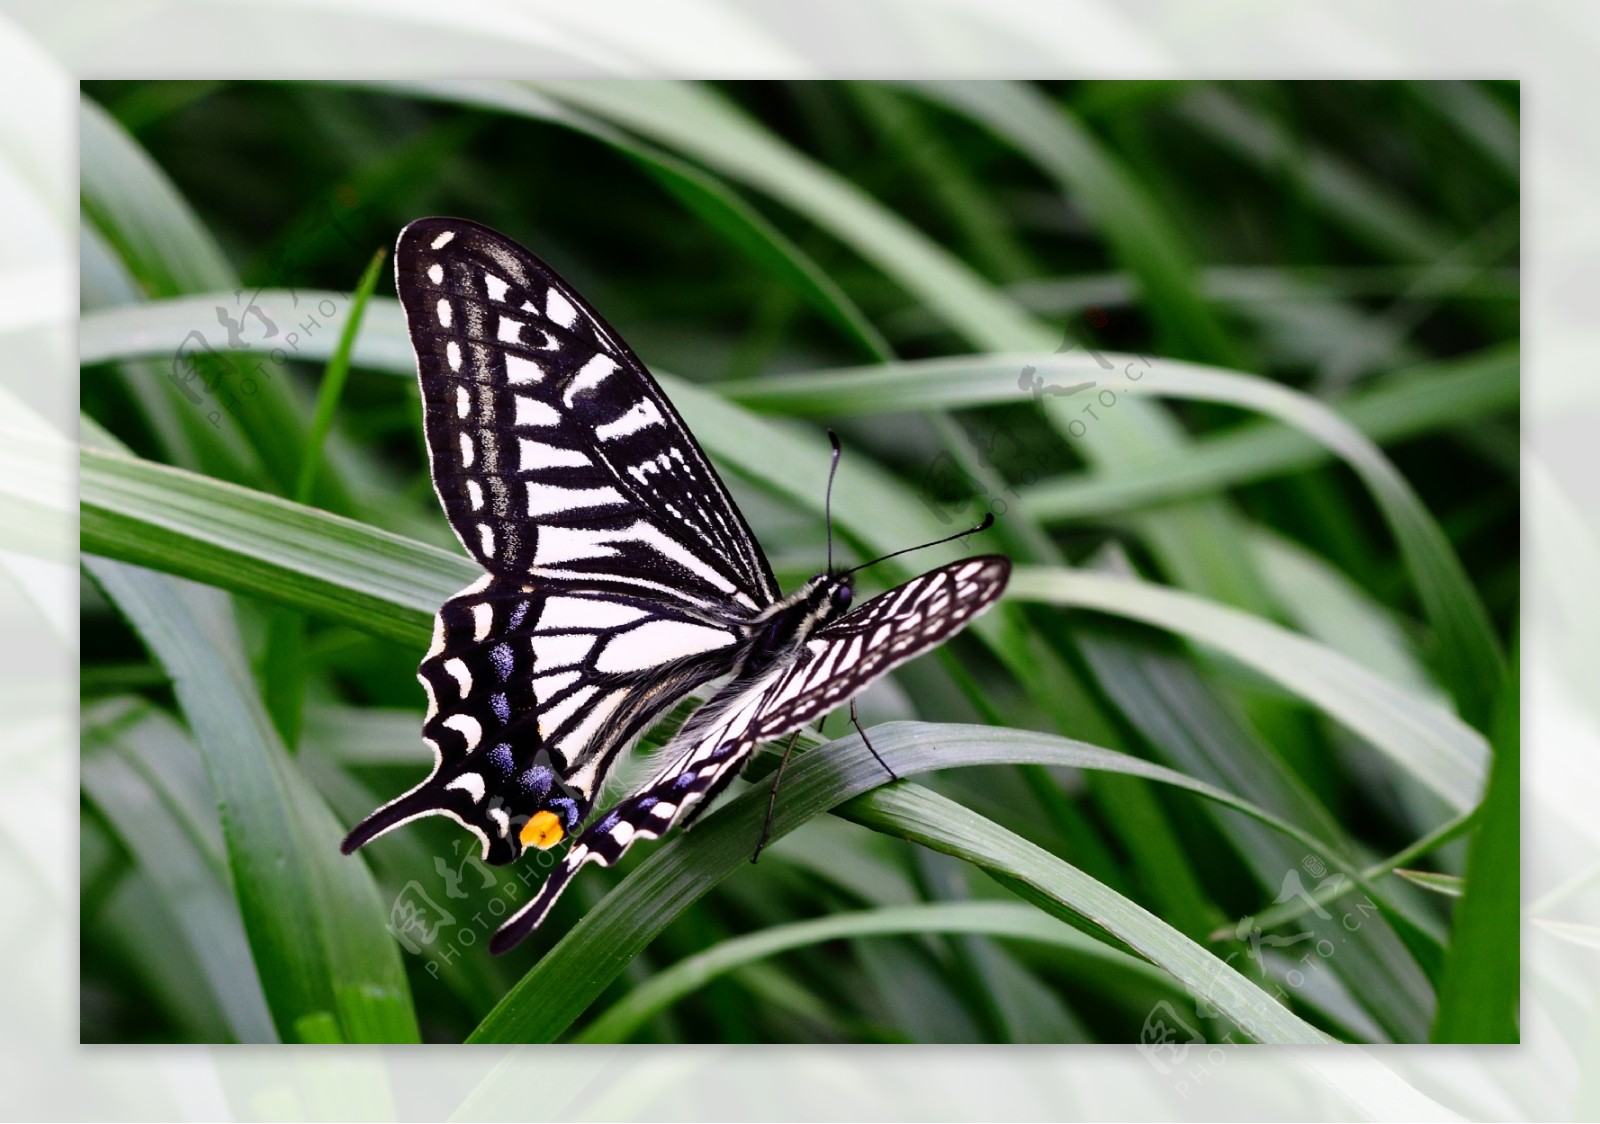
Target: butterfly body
x,y
619,577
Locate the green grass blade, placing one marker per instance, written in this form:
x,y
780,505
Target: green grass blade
x,y
1418,736
1449,885
1466,648
331,389
250,542
282,662
1009,920
1480,993
584,961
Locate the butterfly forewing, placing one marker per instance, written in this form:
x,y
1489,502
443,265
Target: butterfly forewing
x,y
554,452
840,661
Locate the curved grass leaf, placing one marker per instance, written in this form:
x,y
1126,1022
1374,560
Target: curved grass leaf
x,y
250,542
589,956
1411,402
1008,920
1467,651
1449,885
1420,737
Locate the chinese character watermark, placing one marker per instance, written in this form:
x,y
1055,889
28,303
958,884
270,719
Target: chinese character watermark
x,y
1283,963
224,380
950,493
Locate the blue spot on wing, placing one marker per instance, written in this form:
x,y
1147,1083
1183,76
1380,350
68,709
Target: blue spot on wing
x,y
568,809
536,781
504,662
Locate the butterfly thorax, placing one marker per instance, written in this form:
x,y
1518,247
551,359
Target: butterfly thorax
x,y
778,633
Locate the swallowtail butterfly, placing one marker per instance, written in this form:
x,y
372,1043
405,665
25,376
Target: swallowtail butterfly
x,y
619,576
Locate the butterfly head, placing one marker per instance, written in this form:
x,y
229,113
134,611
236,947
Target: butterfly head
x,y
828,596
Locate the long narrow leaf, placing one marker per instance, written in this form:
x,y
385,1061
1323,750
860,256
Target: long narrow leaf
x,y
1418,736
995,919
568,977
1467,649
1480,992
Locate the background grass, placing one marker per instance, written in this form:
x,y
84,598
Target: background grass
x,y
1269,558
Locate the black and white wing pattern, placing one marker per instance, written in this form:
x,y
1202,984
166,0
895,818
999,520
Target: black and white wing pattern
x,y
619,571
532,694
835,664
553,451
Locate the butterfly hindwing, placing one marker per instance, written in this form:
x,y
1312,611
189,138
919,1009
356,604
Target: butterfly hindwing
x,y
553,451
839,662
533,693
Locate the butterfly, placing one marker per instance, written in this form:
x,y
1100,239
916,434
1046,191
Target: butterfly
x,y
618,578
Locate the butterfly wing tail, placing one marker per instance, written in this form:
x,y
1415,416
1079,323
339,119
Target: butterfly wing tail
x,y
420,801
527,919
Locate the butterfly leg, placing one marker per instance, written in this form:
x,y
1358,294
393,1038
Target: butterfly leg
x,y
856,722
772,796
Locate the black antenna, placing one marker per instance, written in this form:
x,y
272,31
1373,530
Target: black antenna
x,y
988,521
827,502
